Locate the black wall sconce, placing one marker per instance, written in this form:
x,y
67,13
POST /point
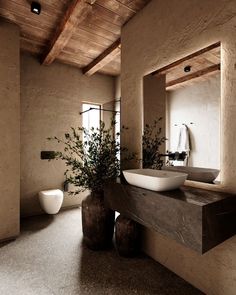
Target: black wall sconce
x,y
35,7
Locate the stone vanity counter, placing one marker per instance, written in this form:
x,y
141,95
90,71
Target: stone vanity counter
x,y
199,219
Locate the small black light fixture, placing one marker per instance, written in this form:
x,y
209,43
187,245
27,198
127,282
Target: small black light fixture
x,y
35,7
187,69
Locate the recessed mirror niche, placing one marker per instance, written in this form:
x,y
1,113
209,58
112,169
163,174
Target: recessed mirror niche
x,y
187,95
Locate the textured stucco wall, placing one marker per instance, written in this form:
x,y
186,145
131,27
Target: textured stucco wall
x,y
161,33
51,100
198,103
9,130
118,87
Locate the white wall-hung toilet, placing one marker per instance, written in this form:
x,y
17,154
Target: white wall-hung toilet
x,y
51,200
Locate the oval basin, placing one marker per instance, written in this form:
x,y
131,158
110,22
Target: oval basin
x,y
207,175
155,180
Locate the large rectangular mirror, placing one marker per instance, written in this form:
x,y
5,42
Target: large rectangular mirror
x,y
187,95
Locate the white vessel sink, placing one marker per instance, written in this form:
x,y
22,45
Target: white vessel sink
x,y
155,180
207,175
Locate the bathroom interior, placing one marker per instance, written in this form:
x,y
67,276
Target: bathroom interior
x,y
73,63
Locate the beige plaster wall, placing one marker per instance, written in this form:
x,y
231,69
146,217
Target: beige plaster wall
x,y
118,87
197,103
163,32
9,130
51,99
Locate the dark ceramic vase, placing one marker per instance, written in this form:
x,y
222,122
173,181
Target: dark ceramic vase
x,y
127,236
97,222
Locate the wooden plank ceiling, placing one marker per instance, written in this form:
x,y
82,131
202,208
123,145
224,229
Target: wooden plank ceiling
x,y
83,33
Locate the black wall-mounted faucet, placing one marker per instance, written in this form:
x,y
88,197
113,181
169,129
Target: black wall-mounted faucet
x,y
175,156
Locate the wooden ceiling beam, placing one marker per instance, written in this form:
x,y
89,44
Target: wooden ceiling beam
x,y
75,14
184,59
104,58
126,6
194,75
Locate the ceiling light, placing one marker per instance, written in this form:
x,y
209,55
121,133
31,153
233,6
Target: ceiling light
x,y
187,69
35,7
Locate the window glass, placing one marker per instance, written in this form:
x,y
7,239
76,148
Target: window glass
x,y
91,115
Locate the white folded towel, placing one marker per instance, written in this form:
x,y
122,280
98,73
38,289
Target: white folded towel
x,y
183,140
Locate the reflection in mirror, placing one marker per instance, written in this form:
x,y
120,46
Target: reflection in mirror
x,y
187,95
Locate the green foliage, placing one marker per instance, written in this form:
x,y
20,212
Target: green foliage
x,y
91,156
151,143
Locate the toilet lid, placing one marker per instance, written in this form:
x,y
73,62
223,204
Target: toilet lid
x,y
51,192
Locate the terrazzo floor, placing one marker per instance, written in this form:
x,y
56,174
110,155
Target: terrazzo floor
x,y
49,259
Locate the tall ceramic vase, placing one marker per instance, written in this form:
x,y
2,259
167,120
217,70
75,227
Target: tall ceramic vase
x,y
97,222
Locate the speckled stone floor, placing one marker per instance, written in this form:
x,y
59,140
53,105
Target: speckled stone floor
x,y
49,259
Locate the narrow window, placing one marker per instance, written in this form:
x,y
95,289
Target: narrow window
x,y
91,115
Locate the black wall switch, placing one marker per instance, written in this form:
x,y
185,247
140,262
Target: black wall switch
x,y
48,155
